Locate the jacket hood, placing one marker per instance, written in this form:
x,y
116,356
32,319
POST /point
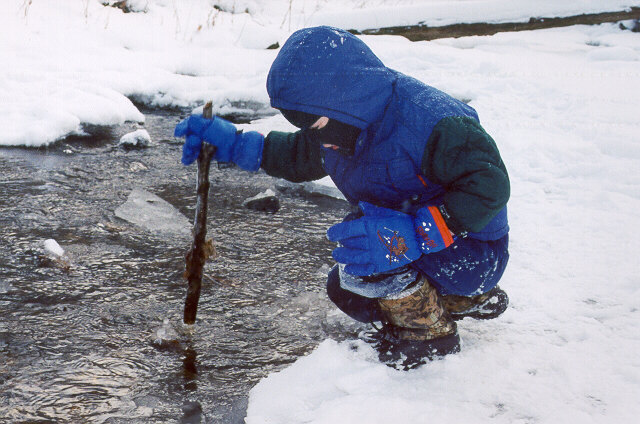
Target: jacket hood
x,y
330,72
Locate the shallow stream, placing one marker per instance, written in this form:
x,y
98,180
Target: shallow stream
x,y
101,340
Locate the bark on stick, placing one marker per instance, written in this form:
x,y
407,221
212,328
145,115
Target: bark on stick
x,y
200,249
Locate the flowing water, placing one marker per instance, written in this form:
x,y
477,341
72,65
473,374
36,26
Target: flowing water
x,y
98,337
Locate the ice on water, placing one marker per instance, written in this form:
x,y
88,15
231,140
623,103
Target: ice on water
x,y
5,287
165,333
152,213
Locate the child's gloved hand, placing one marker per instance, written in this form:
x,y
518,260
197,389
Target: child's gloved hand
x,y
243,149
384,239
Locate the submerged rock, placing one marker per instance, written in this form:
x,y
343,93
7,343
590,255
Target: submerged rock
x,y
53,256
192,413
138,138
265,202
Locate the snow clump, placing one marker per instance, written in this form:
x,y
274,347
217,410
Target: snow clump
x,y
51,246
138,138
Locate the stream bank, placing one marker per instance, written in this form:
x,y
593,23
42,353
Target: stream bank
x,y
425,33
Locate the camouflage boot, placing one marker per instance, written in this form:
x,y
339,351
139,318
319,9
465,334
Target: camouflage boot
x,y
417,327
488,305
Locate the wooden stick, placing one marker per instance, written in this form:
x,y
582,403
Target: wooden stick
x,y
201,249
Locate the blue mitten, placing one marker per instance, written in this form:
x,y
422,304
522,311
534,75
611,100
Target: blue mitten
x,y
243,149
384,239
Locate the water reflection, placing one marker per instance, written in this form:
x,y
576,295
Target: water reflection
x,y
190,372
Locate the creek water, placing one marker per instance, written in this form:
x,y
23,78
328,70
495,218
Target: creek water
x,y
101,340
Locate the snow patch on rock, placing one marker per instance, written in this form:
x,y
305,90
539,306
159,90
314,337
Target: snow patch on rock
x,y
138,138
51,246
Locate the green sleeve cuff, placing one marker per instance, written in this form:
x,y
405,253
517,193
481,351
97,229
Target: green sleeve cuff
x,y
292,156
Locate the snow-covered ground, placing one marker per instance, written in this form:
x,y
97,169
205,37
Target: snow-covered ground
x,y
67,63
562,105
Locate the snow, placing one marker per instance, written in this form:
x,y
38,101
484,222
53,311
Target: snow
x,y
52,246
561,104
54,75
324,186
181,53
440,13
137,138
267,193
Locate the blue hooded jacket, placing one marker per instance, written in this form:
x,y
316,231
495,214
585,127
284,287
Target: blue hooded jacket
x,y
329,72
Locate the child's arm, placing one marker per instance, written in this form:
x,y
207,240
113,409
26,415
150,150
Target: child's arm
x,y
292,156
465,160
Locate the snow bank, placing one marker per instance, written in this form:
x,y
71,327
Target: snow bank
x,y
64,64
507,383
439,13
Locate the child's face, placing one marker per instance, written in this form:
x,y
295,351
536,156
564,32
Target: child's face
x,y
319,124
330,133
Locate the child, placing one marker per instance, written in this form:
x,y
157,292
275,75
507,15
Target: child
x,y
428,242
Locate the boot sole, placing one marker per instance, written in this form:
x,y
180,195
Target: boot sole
x,y
410,354
500,305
